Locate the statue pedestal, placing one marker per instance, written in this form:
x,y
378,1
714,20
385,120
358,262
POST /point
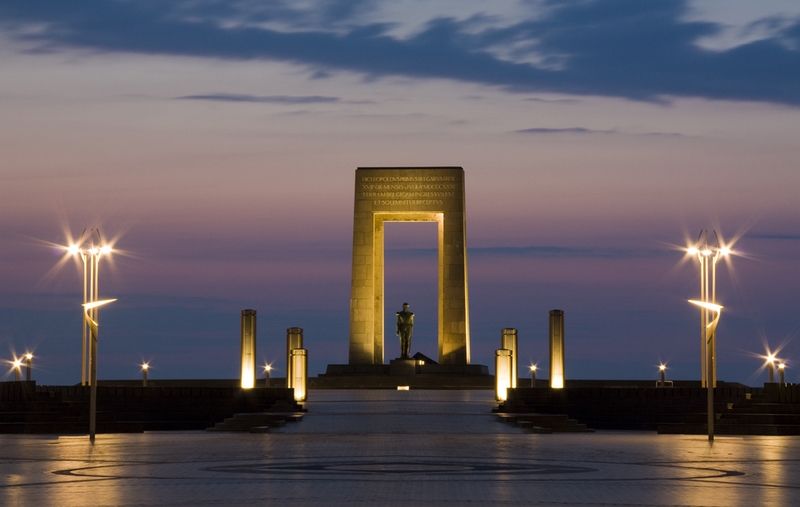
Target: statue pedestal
x,y
402,367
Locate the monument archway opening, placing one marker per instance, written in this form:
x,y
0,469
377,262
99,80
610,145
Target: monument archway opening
x,y
411,266
430,194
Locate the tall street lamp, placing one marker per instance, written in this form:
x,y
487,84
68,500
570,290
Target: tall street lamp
x,y
707,258
17,366
145,367
92,323
28,365
710,332
90,249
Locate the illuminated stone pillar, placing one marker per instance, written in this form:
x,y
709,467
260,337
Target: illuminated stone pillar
x,y
502,374
299,373
294,340
508,341
556,349
248,370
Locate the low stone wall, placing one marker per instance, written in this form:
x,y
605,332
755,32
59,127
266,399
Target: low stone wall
x,y
28,408
621,408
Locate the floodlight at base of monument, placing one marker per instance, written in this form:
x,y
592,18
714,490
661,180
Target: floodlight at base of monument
x,y
502,374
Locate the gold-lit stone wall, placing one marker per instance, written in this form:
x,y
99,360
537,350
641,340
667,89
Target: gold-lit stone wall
x,y
430,194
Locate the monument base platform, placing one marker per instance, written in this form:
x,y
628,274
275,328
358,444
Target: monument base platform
x,y
404,372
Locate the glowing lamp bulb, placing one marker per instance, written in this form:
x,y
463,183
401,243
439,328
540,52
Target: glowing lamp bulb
x,y
771,358
267,368
725,251
706,252
73,249
662,367
106,249
28,356
533,368
17,363
145,366
781,366
692,251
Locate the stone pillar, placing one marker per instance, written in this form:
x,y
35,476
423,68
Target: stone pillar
x,y
299,373
508,341
502,374
294,340
556,349
248,362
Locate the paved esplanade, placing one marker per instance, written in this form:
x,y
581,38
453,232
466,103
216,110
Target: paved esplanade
x,y
398,448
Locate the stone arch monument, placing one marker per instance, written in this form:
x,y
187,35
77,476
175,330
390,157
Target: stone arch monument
x,y
408,194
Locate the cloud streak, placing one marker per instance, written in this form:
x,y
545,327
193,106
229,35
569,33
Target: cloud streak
x,y
636,50
270,99
538,252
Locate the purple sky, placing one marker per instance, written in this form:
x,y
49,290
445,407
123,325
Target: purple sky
x,y
216,143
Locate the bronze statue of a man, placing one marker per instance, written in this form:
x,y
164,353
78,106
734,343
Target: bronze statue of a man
x,y
405,327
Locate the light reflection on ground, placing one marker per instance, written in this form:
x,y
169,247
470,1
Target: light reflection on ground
x,y
390,448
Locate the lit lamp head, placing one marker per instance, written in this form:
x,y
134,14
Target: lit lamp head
x,y
771,358
145,366
781,366
28,356
707,306
533,367
662,367
17,363
267,368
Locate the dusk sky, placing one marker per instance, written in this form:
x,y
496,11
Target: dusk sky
x,y
215,143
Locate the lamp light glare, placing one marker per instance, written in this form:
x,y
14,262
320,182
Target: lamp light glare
x,y
533,368
95,304
17,363
662,367
725,251
145,366
770,358
692,250
706,252
781,366
28,356
106,249
710,306
73,249
267,368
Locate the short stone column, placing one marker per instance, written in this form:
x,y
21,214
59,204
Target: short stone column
x,y
502,374
294,340
300,373
508,341
556,349
248,340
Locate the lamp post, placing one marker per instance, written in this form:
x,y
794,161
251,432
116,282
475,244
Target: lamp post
x,y
663,369
710,335
145,366
90,249
771,368
28,366
708,294
781,368
17,365
533,375
92,323
267,369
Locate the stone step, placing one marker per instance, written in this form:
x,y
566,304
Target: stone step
x,y
249,421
